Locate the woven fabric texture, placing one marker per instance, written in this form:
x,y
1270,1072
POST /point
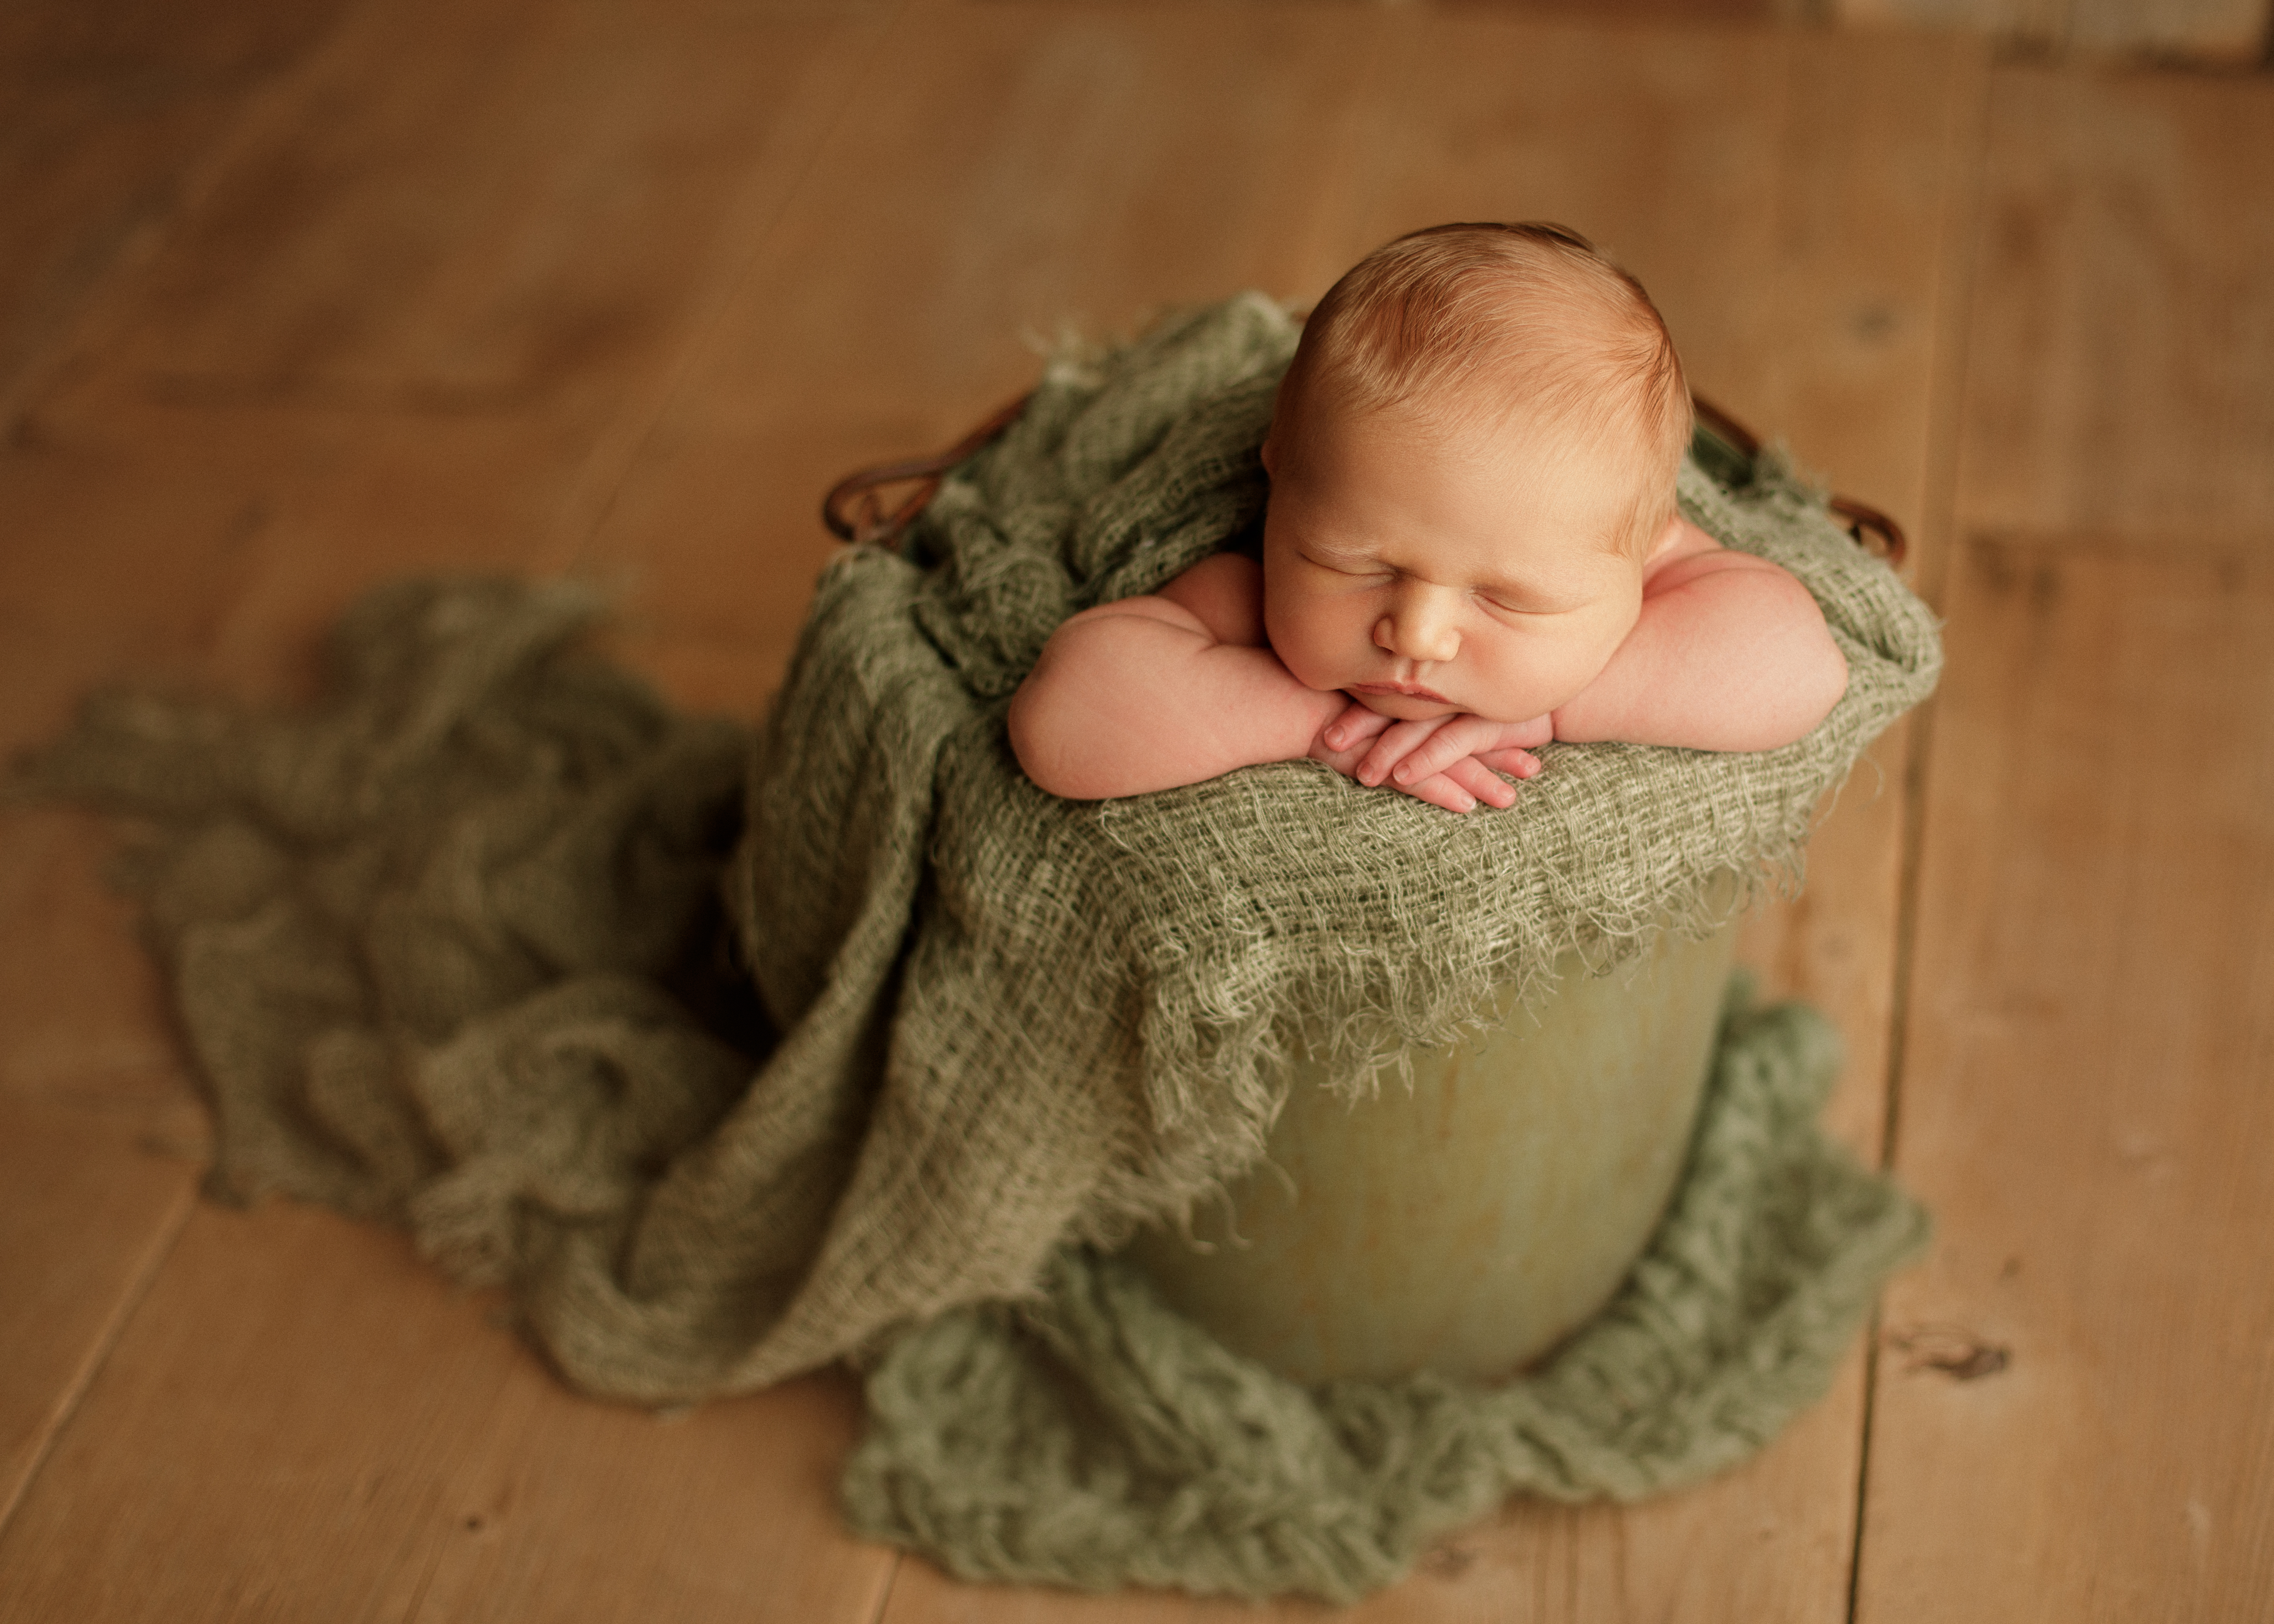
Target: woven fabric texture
x,y
445,946
1086,1026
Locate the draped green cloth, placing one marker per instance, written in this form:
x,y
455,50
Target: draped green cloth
x,y
448,951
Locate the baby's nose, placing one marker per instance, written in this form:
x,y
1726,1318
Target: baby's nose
x,y
1420,624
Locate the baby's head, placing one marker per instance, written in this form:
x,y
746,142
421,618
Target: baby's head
x,y
1473,458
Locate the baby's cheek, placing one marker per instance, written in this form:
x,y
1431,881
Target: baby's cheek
x,y
1544,674
1294,632
1310,669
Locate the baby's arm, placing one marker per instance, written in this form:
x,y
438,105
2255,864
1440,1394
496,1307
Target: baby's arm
x,y
1729,653
1151,693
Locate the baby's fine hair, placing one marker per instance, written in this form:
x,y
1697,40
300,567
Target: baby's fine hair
x,y
1525,326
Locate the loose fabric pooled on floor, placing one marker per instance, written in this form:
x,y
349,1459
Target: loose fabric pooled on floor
x,y
1094,1438
444,949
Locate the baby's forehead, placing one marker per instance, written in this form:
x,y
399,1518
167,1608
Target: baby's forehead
x,y
1349,474
1457,434
1531,378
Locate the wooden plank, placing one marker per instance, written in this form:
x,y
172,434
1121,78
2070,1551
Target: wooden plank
x,y
2120,391
1657,11
2039,23
467,209
106,114
2086,1105
2121,370
302,1421
449,268
89,1214
425,310
83,1020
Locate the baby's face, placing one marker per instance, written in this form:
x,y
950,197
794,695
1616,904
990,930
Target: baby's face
x,y
1425,573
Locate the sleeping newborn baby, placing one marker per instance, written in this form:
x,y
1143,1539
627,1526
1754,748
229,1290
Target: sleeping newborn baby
x,y
1471,548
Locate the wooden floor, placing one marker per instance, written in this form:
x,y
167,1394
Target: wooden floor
x,y
297,295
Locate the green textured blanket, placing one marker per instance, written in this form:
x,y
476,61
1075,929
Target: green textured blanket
x,y
444,948
1095,1438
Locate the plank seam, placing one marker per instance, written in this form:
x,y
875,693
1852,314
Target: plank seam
x,y
884,1592
1961,228
98,1355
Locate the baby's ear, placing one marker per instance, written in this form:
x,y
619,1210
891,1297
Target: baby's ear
x,y
1271,452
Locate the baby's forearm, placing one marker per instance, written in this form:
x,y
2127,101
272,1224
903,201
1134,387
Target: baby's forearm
x,y
1732,656
1139,695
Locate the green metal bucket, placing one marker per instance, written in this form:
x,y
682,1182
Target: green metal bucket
x,y
1469,1224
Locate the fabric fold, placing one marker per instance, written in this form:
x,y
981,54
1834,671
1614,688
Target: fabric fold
x,y
735,1053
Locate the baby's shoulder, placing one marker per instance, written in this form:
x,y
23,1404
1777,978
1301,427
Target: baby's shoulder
x,y
1226,589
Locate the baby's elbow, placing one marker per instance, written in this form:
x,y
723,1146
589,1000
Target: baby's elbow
x,y
1826,683
1061,722
1040,738
1812,683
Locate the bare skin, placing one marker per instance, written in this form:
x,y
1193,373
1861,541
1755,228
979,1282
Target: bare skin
x,y
1433,604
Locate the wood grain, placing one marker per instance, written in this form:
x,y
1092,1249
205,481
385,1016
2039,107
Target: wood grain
x,y
517,283
419,308
89,1213
301,1421
2086,1039
2086,1106
83,1016
110,112
2121,358
425,311
1017,169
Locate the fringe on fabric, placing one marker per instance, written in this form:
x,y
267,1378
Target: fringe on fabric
x,y
446,948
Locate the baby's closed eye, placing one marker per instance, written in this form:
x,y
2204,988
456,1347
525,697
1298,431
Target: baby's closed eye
x,y
1349,564
1529,607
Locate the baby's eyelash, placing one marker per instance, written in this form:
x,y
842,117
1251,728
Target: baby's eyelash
x,y
1350,566
1506,607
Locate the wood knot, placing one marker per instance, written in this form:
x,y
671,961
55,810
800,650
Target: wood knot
x,y
1950,1349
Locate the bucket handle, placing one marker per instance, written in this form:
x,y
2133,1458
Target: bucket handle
x,y
855,510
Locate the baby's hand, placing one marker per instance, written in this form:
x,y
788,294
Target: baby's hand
x,y
1451,761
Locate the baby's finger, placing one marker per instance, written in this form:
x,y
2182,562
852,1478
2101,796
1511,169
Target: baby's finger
x,y
1515,763
1442,791
1392,748
1354,727
1454,741
1482,781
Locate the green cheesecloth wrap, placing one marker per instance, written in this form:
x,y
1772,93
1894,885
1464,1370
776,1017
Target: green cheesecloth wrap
x,y
732,1057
